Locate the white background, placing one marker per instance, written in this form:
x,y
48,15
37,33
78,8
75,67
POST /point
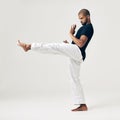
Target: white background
x,y
30,75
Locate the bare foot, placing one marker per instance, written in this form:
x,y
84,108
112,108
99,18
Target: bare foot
x,y
82,107
25,46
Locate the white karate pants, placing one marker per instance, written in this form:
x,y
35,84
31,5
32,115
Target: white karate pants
x,y
72,51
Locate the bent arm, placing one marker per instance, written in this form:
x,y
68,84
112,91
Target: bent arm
x,y
79,42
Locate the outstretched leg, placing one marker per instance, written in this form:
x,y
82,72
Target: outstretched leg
x,y
69,50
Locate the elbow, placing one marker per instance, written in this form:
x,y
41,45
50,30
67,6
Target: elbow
x,y
80,45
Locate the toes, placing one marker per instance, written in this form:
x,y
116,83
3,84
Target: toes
x,y
19,42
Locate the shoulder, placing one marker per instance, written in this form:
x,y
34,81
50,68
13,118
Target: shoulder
x,y
88,26
88,30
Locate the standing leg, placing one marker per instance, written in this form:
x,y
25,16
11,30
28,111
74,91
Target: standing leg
x,y
75,81
77,91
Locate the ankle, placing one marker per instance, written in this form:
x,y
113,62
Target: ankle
x,y
28,47
83,105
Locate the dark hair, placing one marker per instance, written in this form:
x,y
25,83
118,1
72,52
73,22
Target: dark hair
x,y
84,11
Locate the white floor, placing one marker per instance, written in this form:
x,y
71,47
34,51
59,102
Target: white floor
x,y
101,107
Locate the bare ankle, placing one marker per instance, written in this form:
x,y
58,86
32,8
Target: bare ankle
x,y
27,47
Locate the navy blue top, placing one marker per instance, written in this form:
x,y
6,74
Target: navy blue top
x,y
88,31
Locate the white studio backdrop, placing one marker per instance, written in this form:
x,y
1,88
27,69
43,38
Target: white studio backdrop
x,y
49,21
